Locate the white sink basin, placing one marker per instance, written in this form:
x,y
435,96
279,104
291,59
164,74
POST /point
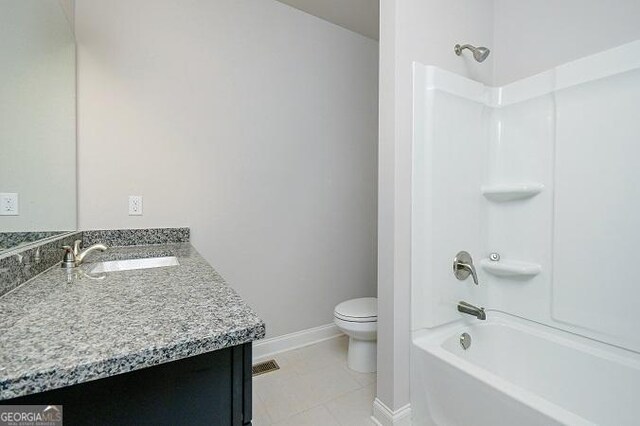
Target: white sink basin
x,y
129,264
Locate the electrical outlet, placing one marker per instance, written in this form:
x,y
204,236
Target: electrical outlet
x,y
8,204
135,205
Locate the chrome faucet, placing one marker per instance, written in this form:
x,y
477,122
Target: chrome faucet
x,y
468,308
73,257
81,254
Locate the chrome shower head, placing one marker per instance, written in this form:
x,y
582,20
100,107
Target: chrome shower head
x,y
479,53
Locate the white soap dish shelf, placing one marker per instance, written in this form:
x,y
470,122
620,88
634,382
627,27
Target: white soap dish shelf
x,y
511,192
511,268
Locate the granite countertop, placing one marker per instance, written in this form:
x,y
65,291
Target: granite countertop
x,y
58,329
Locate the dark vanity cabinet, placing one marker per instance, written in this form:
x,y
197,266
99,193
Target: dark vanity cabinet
x,y
213,388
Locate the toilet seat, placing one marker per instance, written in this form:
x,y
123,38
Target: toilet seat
x,y
364,309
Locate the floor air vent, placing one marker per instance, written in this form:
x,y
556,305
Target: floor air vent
x,y
264,367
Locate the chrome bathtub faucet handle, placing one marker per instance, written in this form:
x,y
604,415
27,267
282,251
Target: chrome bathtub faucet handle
x,y
463,267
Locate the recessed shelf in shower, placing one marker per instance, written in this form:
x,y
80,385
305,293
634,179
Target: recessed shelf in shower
x,y
511,268
511,192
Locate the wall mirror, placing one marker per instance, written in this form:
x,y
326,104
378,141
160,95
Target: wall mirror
x,y
37,121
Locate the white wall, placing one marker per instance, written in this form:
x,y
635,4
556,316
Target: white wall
x,y
37,115
361,16
68,7
251,122
534,36
450,156
425,31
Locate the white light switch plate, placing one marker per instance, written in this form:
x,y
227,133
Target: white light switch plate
x,y
135,205
8,204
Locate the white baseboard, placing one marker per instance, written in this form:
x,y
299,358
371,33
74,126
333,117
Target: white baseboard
x,y
268,347
384,416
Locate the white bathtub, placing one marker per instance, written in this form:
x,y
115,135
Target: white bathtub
x,y
518,372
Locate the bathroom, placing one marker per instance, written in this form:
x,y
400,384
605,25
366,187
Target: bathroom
x,y
319,213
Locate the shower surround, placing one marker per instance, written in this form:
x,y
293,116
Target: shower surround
x,y
540,171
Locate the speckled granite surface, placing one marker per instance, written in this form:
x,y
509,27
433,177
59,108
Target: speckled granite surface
x,y
55,333
20,265
10,240
130,237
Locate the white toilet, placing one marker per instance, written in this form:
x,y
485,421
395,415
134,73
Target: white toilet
x,y
358,319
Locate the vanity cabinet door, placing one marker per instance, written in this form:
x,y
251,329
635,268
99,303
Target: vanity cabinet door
x,y
208,389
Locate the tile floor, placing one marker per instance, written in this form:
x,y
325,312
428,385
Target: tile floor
x,y
314,387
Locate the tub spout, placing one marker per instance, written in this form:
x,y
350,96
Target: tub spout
x,y
468,308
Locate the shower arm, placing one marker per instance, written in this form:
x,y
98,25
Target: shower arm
x,y
458,48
